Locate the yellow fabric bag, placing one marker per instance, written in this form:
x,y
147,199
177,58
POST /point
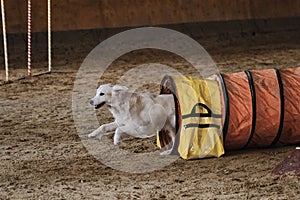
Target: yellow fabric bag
x,y
200,119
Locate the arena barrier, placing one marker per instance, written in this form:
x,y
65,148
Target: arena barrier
x,y
255,109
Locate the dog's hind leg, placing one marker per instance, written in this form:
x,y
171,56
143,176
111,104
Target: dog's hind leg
x,y
104,129
158,116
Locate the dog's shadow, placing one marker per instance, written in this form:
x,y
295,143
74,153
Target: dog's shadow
x,y
136,145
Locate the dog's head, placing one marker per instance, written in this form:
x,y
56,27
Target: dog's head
x,y
104,95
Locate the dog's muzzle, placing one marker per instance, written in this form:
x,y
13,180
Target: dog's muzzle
x,y
92,102
96,106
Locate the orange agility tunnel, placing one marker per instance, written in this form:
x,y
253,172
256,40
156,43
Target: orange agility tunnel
x,y
259,108
263,108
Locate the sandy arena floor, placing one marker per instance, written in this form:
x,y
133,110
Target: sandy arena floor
x,y
42,157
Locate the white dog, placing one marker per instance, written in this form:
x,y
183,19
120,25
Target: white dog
x,y
140,115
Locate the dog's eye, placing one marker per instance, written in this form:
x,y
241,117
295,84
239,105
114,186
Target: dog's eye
x,y
101,94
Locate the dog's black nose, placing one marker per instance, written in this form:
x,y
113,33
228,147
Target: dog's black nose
x,y
92,102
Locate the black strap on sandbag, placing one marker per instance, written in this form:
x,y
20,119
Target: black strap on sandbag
x,y
226,103
281,91
253,96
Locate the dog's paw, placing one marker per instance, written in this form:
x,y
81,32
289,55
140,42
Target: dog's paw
x,y
92,135
166,152
116,142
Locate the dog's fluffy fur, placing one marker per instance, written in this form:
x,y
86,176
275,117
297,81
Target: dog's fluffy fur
x,y
140,115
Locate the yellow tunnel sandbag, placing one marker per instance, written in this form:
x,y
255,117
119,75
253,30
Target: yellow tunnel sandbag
x,y
260,108
199,118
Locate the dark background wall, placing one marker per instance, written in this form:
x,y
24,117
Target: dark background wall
x,y
97,14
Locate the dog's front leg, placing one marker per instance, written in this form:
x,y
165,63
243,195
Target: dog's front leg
x,y
124,129
118,134
104,129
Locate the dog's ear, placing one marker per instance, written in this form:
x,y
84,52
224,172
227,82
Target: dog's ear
x,y
119,88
